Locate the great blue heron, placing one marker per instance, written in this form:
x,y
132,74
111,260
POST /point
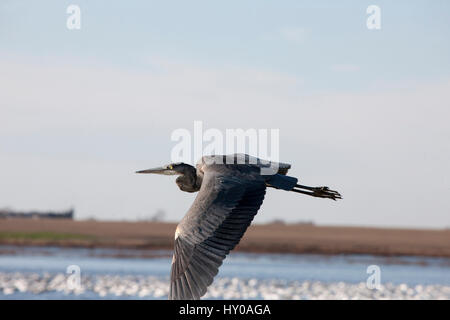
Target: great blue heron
x,y
231,191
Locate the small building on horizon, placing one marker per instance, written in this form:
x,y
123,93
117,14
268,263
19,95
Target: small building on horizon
x,y
12,214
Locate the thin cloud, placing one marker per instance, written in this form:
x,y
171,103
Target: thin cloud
x,y
293,34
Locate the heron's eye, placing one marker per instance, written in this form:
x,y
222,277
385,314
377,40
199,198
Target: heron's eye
x,y
170,167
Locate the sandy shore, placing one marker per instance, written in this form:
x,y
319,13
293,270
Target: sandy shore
x,y
275,238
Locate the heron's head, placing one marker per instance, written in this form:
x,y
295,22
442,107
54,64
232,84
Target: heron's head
x,y
170,169
187,180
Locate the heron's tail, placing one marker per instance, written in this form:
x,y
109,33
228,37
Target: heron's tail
x,y
320,192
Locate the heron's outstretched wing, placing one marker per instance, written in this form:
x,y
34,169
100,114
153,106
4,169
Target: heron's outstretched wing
x,y
214,225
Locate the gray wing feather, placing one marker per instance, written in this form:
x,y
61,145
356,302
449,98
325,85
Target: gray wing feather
x,y
217,220
246,162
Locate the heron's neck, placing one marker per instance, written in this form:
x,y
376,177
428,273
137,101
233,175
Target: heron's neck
x,y
190,181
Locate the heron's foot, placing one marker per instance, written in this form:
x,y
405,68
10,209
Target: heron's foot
x,y
325,192
320,192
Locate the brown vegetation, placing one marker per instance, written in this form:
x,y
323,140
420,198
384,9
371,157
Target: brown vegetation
x,y
276,238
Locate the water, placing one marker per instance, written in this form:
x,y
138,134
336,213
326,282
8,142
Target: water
x,y
40,273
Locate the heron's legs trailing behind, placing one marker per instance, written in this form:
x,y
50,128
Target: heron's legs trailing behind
x,y
320,192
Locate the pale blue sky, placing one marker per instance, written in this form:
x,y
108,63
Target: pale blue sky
x,y
412,45
363,111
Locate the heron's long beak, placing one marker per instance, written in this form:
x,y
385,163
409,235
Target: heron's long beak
x,y
160,170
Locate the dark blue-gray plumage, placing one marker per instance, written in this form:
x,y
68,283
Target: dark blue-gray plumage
x,y
231,191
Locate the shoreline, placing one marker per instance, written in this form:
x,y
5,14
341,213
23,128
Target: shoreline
x,y
259,238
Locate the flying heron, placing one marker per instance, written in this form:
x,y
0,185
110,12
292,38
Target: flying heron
x,y
231,191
